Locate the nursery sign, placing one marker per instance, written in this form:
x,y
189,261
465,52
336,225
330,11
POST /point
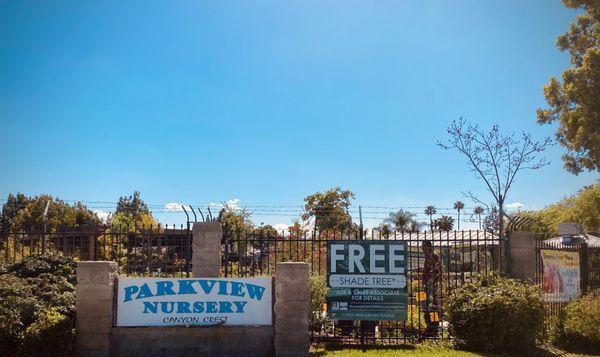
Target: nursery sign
x,y
561,275
367,280
176,302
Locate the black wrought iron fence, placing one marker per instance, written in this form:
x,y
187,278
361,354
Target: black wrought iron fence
x,y
157,250
166,251
556,291
462,254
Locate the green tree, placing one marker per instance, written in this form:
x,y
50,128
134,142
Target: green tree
x,y
575,102
132,205
329,210
458,206
582,208
478,211
400,220
415,226
131,213
30,213
236,220
430,211
10,209
384,230
266,231
444,223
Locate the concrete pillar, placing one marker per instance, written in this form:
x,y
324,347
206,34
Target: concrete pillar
x,y
91,247
522,255
291,309
95,306
206,249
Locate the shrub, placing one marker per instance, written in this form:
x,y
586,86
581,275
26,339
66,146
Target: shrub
x,y
496,314
11,332
37,307
51,331
32,267
318,292
577,327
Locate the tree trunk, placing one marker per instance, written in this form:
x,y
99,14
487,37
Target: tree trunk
x,y
503,240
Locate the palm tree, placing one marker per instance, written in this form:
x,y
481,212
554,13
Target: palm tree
x,y
458,206
384,230
415,226
478,211
445,223
430,211
400,220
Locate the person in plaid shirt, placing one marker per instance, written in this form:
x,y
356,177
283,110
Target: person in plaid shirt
x,y
432,272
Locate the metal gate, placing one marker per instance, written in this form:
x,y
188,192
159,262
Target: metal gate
x,y
463,254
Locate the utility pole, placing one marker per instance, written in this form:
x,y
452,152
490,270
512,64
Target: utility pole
x,y
44,220
361,222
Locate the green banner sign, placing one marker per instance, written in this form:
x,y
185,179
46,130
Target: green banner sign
x,y
387,296
367,280
399,315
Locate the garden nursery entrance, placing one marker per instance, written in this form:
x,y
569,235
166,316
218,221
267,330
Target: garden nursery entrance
x,y
374,288
364,288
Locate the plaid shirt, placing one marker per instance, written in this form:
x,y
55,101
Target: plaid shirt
x,y
432,268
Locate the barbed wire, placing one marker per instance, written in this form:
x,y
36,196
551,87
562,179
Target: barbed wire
x,y
278,208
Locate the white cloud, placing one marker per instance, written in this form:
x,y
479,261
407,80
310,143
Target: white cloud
x,y
103,215
281,227
173,207
515,206
232,204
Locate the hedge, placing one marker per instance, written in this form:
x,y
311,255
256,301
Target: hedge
x,y
37,307
496,314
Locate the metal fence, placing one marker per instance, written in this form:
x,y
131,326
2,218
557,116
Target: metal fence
x,y
589,271
462,254
149,251
165,251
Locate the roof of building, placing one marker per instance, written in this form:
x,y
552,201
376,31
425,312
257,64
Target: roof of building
x,y
442,238
592,241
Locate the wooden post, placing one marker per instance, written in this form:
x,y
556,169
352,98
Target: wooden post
x,y
583,268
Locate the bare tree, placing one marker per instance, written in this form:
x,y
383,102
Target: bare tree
x,y
495,158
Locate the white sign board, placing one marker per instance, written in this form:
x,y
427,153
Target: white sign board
x,y
561,275
183,302
367,281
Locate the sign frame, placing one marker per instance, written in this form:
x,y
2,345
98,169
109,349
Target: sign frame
x,y
368,284
150,301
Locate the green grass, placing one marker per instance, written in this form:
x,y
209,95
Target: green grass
x,y
408,351
420,350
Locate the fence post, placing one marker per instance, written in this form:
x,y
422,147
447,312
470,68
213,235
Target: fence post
x,y
291,309
584,268
206,249
91,247
521,259
95,307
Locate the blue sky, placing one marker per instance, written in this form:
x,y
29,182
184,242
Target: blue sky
x,y
269,101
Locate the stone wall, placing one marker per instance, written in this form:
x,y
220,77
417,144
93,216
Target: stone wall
x,y
192,341
291,309
206,248
96,307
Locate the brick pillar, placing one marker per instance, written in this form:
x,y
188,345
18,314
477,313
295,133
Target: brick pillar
x,y
95,307
91,247
522,255
206,249
291,309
